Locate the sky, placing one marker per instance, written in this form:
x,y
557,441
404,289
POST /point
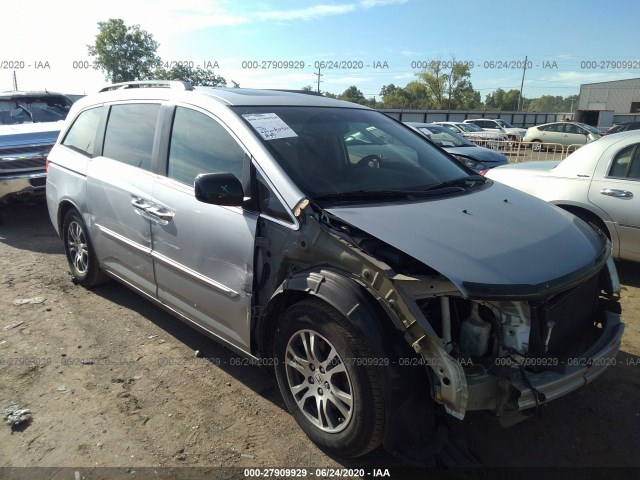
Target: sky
x,y
366,43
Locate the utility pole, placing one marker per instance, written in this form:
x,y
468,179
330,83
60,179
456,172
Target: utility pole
x,y
318,75
522,82
15,81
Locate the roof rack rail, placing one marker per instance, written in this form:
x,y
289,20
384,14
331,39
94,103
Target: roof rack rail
x,y
173,84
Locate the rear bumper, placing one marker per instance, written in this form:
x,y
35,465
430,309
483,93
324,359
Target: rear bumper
x,y
24,184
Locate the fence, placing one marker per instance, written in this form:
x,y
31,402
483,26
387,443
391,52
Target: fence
x,y
518,152
517,119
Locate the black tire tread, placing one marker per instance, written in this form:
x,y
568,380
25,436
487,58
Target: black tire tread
x,y
95,275
360,349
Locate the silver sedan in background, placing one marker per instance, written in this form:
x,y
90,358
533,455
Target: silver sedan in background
x,y
562,133
599,183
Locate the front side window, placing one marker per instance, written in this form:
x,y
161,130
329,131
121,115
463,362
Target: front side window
x,y
329,152
82,134
130,132
199,144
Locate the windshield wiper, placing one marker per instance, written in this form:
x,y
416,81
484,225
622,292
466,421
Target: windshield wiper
x,y
456,182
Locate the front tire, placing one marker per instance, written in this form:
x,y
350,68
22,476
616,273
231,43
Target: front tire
x,y
83,263
328,379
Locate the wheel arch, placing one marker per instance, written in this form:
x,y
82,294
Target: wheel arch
x,y
599,218
63,207
410,410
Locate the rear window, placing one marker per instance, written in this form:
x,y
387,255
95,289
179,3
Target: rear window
x,y
130,132
20,109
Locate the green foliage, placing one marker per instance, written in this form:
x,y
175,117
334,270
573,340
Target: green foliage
x,y
195,76
436,88
550,103
415,96
124,53
501,100
353,94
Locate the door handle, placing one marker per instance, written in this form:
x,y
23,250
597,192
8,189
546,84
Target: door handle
x,y
140,203
613,192
161,213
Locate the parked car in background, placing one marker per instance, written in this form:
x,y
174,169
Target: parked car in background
x,y
381,279
514,134
623,127
563,133
599,183
480,136
477,158
29,126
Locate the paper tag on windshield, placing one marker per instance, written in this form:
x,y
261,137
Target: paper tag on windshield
x,y
269,125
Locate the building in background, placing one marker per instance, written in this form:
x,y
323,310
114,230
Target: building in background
x,y
604,103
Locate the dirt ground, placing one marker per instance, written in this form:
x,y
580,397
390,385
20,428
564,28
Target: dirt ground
x,y
111,380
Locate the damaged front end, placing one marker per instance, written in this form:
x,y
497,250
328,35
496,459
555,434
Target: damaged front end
x,y
512,355
486,348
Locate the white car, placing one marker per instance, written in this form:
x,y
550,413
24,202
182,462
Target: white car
x,y
478,135
599,183
563,133
498,125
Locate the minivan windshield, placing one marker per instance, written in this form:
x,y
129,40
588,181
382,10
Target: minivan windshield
x,y
353,153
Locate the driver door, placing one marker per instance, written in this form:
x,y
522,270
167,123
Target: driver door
x,y
204,254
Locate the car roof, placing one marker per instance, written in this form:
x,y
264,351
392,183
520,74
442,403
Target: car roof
x,y
227,96
625,123
422,124
587,156
34,93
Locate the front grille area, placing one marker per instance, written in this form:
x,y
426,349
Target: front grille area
x,y
30,150
570,317
20,165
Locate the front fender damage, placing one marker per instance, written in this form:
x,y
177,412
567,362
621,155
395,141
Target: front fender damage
x,y
325,246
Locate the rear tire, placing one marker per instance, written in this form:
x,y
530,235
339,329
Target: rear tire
x,y
84,265
331,389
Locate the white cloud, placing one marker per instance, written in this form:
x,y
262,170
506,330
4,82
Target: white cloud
x,y
323,10
309,13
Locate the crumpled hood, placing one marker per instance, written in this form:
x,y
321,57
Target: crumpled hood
x,y
491,242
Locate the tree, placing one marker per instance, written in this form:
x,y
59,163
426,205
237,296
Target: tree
x,y
124,53
195,76
450,89
547,103
352,94
435,79
502,100
414,95
307,88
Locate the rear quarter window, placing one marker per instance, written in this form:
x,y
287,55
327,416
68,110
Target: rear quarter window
x,y
82,134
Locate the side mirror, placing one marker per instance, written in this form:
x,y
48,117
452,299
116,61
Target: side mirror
x,y
219,189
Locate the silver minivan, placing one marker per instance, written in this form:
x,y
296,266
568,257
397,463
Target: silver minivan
x,y
382,280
